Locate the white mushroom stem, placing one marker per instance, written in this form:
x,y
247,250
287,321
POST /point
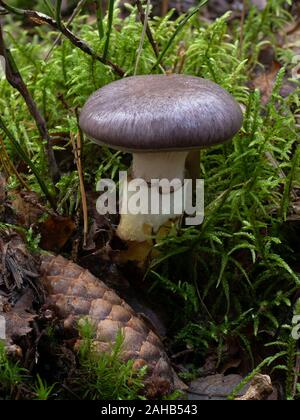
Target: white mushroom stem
x,y
152,168
164,165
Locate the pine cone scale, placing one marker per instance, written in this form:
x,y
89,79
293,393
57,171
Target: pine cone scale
x,y
77,294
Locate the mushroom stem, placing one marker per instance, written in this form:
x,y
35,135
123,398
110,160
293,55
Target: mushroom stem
x,y
162,165
152,168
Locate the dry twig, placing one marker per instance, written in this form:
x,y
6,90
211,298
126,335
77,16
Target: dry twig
x,y
41,18
140,49
77,150
76,11
9,165
164,7
144,21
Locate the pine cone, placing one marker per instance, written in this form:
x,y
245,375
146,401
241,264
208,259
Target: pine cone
x,y
77,294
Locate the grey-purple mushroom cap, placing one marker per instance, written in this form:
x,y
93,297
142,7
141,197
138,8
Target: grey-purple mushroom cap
x,y
161,112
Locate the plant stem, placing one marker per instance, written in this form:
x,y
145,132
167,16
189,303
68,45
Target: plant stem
x,y
22,154
109,27
148,29
100,18
10,165
177,31
77,150
16,81
243,16
75,13
49,7
58,13
142,41
164,7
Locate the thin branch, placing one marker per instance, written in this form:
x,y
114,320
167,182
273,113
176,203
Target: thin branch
x,y
148,29
22,154
75,13
271,158
181,57
164,7
77,150
142,41
10,167
179,28
294,28
40,18
15,79
242,26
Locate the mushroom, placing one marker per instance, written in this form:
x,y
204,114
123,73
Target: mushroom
x,y
159,119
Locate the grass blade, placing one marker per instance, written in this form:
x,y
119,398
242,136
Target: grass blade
x,y
58,12
49,7
22,154
286,199
177,31
99,5
109,27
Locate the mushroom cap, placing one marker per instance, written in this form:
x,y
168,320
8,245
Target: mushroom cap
x,y
161,112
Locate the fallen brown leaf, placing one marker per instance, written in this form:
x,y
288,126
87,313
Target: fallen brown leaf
x,y
19,317
55,232
25,206
265,81
18,268
19,287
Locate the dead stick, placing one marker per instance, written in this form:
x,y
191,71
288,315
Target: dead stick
x,y
77,149
4,164
164,7
148,29
71,19
181,57
41,18
140,49
10,164
15,79
242,26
